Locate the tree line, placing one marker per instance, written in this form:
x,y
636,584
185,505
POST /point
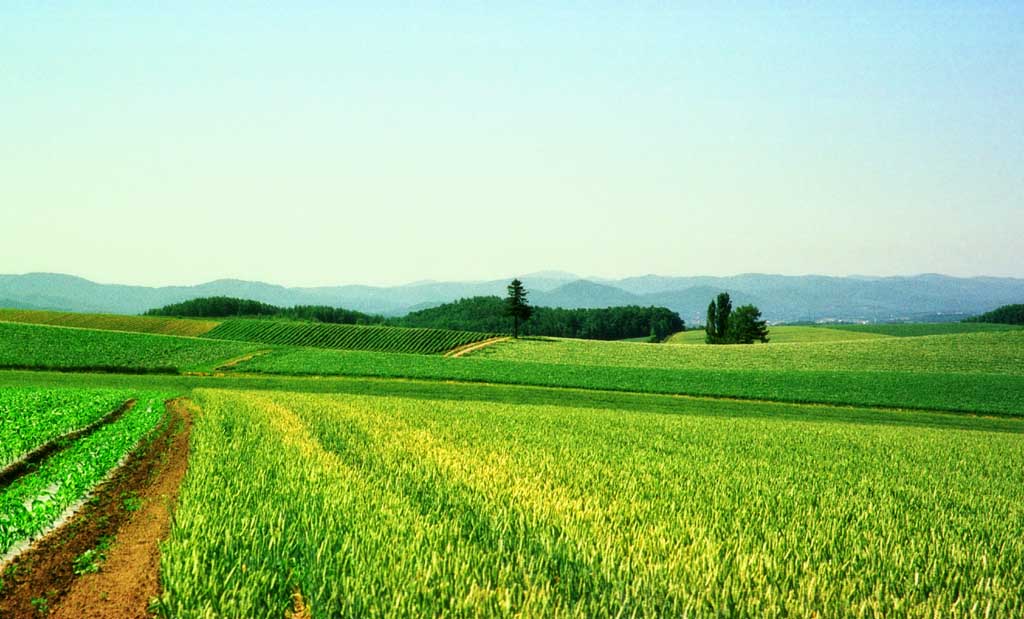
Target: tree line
x,y
1007,315
225,307
491,314
485,314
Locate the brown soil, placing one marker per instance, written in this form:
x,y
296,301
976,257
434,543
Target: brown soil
x,y
475,346
42,580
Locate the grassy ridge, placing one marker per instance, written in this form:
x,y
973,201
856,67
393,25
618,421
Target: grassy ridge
x,y
921,329
785,334
345,337
988,352
110,322
938,391
390,507
25,346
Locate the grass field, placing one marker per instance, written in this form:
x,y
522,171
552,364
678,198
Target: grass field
x,y
388,507
920,329
26,346
345,337
986,352
785,334
110,322
976,392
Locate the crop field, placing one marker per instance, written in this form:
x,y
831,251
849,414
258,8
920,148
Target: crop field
x,y
786,334
973,392
920,329
44,347
33,501
393,507
110,322
999,352
547,477
31,417
345,337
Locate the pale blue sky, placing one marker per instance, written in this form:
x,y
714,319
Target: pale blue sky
x,y
323,144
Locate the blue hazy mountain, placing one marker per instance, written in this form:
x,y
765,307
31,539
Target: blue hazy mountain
x,y
780,297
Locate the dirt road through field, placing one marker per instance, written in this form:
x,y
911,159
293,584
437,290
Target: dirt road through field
x,y
124,521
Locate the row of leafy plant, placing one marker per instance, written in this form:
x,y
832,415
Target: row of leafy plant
x,y
347,337
32,417
390,507
36,347
33,502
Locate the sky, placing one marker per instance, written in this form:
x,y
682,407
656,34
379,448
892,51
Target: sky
x,y
309,143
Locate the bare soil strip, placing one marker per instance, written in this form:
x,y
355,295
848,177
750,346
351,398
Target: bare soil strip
x,y
26,463
134,507
475,346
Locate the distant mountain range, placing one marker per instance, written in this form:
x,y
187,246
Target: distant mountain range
x,y
781,298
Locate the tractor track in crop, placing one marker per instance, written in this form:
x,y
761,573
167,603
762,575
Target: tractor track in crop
x,y
475,346
133,508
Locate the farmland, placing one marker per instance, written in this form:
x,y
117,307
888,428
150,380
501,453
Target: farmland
x,y
548,477
986,352
34,500
786,334
110,322
920,329
346,337
976,392
30,417
384,507
43,347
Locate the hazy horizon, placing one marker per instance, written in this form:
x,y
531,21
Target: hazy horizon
x,y
550,273
322,145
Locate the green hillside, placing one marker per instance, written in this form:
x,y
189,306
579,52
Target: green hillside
x,y
784,335
345,337
110,322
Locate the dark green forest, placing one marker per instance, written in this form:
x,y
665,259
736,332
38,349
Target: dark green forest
x,y
230,307
487,314
483,314
1006,315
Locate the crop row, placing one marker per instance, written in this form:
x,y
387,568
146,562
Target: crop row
x,y
31,417
346,337
950,391
44,347
110,322
1000,352
388,507
32,503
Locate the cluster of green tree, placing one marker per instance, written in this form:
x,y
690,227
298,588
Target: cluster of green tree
x,y
726,325
491,315
1005,315
222,307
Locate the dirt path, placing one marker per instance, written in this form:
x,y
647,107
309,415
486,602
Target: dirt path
x,y
475,346
230,363
134,510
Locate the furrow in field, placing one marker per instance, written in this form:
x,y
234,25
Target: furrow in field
x,y
32,459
